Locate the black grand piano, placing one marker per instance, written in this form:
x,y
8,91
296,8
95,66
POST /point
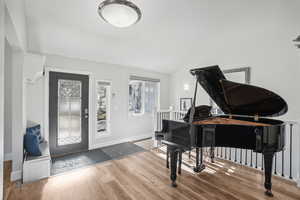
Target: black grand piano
x,y
241,126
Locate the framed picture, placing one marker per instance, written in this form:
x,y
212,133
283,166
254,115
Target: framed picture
x,y
185,103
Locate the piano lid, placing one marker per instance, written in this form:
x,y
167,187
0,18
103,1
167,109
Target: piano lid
x,y
236,98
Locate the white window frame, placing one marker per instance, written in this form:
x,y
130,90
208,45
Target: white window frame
x,y
143,99
143,113
108,111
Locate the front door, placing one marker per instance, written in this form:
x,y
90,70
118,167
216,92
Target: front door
x,y
68,113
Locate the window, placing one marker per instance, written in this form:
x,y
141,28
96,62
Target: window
x,y
151,96
103,106
136,97
143,95
239,75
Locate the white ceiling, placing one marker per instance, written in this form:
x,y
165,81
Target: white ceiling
x,y
162,41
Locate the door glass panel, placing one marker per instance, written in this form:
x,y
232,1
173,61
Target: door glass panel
x,y
69,112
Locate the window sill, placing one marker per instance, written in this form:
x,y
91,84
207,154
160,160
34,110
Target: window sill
x,y
102,134
139,115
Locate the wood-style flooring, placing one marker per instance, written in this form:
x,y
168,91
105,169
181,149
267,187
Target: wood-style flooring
x,y
143,176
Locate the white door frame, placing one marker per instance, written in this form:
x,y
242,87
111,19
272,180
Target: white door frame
x,y
46,99
2,44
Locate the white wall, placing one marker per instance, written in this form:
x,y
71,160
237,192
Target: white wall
x,y
33,67
35,102
123,126
8,102
18,126
16,12
265,45
15,32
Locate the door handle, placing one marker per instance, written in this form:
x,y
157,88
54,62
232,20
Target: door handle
x,y
86,113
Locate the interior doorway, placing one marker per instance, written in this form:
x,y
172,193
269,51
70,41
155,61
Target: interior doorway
x,y
68,113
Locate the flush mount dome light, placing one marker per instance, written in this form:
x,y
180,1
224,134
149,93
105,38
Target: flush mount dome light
x,y
119,13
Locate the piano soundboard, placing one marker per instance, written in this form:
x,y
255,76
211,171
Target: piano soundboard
x,y
228,121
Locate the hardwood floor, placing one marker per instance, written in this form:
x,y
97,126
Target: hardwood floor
x,y
144,176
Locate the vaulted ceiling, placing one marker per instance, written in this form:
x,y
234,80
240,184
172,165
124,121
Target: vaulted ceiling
x,y
162,41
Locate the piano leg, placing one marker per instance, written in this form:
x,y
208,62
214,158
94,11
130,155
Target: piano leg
x,y
179,162
212,154
174,156
201,166
268,161
168,157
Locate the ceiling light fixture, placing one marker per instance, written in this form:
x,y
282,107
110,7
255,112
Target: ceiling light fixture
x,y
119,13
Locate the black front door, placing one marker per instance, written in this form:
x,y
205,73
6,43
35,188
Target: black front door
x,y
68,113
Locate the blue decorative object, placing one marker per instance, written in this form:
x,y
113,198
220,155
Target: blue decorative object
x,y
35,130
31,144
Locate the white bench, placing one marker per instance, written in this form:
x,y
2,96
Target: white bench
x,y
37,167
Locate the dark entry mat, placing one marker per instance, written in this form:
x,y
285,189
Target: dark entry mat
x,y
121,150
82,159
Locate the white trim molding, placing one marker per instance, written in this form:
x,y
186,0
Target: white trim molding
x,y
46,98
2,50
106,133
8,156
16,175
118,141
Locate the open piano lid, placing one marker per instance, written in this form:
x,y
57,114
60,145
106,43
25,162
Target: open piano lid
x,y
236,98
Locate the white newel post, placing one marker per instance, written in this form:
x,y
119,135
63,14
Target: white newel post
x,y
297,132
171,115
2,45
155,113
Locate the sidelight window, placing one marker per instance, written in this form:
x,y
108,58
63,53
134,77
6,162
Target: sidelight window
x,y
103,106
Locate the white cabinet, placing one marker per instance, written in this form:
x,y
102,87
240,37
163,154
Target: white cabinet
x,y
37,167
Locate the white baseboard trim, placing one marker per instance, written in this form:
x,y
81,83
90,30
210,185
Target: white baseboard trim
x,y
7,156
16,175
113,142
